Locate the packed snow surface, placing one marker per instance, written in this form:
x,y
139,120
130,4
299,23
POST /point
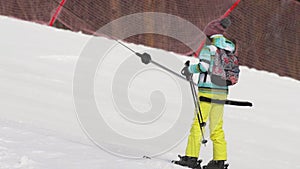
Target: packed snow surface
x,y
39,128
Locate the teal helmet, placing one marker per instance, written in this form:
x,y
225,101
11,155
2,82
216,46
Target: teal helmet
x,y
221,42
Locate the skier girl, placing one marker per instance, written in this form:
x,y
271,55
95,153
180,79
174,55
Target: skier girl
x,y
211,111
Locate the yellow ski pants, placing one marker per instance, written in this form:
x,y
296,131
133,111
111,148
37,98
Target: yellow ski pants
x,y
215,114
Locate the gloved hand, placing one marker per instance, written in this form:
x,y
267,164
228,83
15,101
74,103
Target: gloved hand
x,y
185,71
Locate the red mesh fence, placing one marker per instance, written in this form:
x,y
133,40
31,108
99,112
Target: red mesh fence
x,y
267,30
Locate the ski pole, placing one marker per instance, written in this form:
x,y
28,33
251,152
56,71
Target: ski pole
x,y
229,102
197,105
199,113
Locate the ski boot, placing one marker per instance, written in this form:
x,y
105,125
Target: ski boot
x,y
216,164
191,162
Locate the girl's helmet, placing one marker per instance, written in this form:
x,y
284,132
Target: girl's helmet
x,y
221,42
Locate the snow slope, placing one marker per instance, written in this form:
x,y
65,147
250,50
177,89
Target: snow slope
x,y
39,126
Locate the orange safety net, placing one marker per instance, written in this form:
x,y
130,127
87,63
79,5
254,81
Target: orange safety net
x,y
267,31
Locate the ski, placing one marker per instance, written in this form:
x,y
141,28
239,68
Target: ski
x,y
156,158
170,161
229,102
225,166
198,163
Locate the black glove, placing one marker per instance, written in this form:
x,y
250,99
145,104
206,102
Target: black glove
x,y
187,63
146,58
185,71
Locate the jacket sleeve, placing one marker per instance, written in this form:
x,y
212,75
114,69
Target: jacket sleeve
x,y
204,62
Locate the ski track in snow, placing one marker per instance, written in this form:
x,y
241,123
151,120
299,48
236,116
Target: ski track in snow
x,y
24,147
41,131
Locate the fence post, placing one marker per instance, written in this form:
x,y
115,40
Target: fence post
x,y
54,16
